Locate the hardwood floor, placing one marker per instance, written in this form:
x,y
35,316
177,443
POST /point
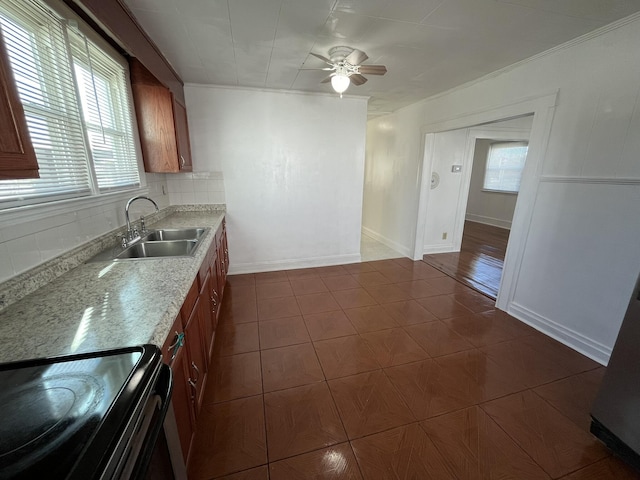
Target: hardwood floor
x,y
479,262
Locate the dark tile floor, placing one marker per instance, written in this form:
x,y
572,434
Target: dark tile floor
x,y
390,370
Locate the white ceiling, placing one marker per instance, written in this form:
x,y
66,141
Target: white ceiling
x,y
428,46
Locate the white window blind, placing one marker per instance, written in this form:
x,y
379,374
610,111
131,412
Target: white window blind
x,y
106,111
76,104
505,162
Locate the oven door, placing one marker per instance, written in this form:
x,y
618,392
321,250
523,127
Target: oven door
x,y
152,453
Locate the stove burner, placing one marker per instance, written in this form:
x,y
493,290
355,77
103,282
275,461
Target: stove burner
x,y
46,411
55,413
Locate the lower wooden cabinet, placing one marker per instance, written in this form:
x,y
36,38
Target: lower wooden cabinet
x,y
197,367
189,346
175,355
181,398
208,307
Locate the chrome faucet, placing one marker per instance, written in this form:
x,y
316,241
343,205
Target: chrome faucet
x,y
133,234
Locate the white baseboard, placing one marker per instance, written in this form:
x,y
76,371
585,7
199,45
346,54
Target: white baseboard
x,y
592,349
495,222
431,249
238,268
406,251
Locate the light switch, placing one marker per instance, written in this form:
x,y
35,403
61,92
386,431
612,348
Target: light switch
x,y
456,168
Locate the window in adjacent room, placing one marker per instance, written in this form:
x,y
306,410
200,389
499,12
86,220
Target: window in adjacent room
x,y
505,162
76,99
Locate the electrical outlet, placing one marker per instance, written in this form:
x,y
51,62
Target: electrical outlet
x,y
444,235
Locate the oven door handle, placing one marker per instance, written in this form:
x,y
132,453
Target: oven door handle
x,y
163,388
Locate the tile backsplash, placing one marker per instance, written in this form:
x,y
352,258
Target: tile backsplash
x,y
25,244
196,188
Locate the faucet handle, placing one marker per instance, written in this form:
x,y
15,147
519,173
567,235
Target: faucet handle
x,y
122,239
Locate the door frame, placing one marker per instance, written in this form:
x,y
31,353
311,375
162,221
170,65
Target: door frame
x,y
484,132
542,107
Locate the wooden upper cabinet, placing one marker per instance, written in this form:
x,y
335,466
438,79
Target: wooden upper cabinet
x,y
17,156
182,134
162,122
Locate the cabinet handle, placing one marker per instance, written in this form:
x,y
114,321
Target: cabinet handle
x,y
193,365
193,390
178,341
182,162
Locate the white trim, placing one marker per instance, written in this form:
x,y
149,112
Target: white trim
x,y
424,187
590,180
504,192
543,107
494,222
495,113
401,249
572,339
331,260
39,211
431,249
277,90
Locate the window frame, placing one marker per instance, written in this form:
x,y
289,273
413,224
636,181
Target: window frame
x,y
60,203
502,143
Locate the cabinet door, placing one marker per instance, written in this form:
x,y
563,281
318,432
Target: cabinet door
x,y
215,288
223,255
17,156
182,135
181,399
209,318
154,112
195,349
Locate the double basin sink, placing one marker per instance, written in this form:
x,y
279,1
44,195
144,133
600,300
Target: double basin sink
x,y
168,242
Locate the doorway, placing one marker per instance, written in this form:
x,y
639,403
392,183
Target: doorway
x,y
475,201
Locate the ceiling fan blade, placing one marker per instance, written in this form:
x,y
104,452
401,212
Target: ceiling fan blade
x,y
328,69
327,80
324,59
357,79
356,57
373,69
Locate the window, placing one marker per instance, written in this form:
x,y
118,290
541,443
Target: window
x,y
505,162
76,102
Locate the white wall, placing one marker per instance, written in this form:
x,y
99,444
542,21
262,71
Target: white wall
x,y
392,178
587,191
448,149
293,167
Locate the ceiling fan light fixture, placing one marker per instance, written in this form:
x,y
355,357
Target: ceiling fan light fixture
x,y
340,82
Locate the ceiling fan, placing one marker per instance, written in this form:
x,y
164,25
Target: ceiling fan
x,y
346,67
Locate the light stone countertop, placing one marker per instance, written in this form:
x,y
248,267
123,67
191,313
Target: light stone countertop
x,y
104,305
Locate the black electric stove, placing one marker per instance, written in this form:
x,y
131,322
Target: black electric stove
x,y
74,417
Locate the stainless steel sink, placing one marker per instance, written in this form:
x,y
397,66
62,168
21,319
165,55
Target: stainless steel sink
x,y
161,243
174,248
174,234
